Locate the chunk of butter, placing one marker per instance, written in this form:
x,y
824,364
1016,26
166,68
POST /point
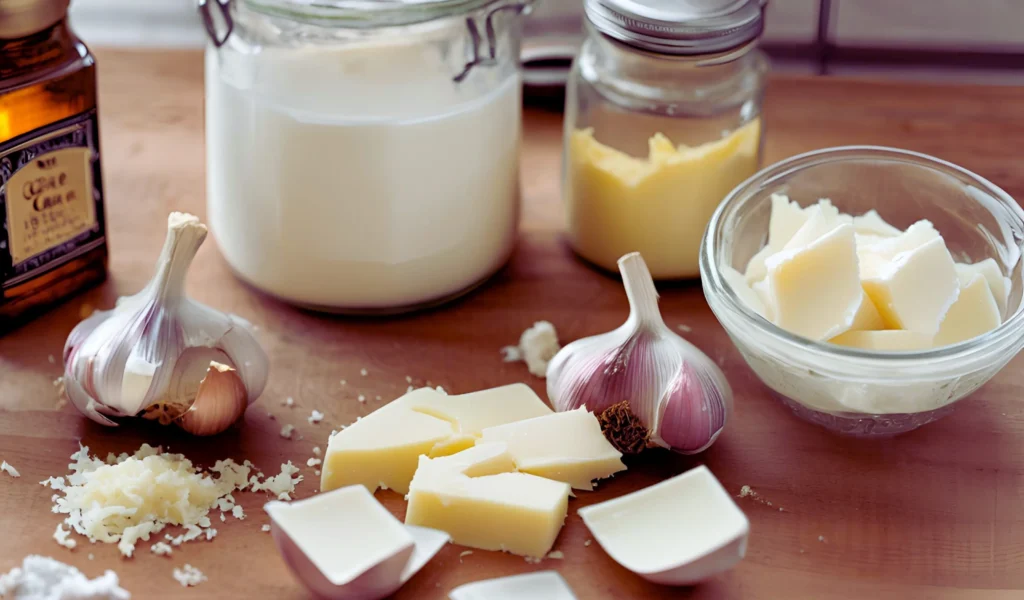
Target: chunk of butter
x,y
915,288
975,312
999,284
472,496
567,446
383,448
890,340
815,289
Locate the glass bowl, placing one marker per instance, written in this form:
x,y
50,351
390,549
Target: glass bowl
x,y
849,390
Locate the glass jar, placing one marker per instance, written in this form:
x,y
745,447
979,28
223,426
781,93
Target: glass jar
x,y
662,121
53,242
364,157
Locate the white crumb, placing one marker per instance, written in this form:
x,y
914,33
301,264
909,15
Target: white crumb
x,y
265,528
587,543
537,346
684,328
363,372
378,398
408,379
238,513
161,549
556,554
821,539
286,431
6,468
464,554
316,451
289,401
52,359
189,576
361,398
313,462
315,417
343,382
511,354
316,472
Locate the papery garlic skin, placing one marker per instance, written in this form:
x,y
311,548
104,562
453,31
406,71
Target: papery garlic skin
x,y
122,362
647,385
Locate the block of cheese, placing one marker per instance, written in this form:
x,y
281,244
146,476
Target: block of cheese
x,y
989,268
785,219
822,218
468,496
892,340
383,448
815,289
915,288
867,317
471,413
764,295
975,312
739,285
872,223
567,446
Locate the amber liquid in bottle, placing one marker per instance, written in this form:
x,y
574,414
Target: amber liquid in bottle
x,y
53,243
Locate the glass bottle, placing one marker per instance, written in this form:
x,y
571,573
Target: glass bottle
x,y
662,120
53,243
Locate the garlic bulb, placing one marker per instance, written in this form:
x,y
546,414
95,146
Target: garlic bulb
x,y
648,386
160,355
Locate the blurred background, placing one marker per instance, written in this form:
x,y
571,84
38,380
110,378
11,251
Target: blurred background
x,y
979,41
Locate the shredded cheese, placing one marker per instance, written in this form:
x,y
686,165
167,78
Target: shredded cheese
x,y
138,496
6,468
189,576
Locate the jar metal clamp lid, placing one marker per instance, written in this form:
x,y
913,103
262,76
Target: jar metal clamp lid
x,y
679,27
19,18
357,14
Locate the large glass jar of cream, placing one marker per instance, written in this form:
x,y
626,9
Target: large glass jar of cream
x,y
663,119
362,156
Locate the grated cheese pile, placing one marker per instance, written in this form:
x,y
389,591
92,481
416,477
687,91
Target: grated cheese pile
x,y
129,498
43,578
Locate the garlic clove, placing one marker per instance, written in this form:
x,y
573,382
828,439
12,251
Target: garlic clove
x,y
220,401
692,413
85,403
239,342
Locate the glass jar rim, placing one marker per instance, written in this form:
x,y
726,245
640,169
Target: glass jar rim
x,y
367,14
957,356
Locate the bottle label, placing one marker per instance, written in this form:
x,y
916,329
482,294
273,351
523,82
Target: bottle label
x,y
51,195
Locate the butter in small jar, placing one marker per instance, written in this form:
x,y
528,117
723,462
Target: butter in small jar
x,y
662,121
53,242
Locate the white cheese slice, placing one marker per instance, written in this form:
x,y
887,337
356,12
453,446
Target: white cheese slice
x,y
914,288
891,340
989,268
567,446
815,289
786,218
677,532
739,285
872,223
473,497
975,312
822,218
867,317
383,448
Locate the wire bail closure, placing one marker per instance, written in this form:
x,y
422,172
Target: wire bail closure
x,y
490,59
206,11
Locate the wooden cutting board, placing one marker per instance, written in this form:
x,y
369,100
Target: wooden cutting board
x,y
931,514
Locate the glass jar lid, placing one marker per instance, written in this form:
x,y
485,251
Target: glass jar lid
x,y
366,13
678,27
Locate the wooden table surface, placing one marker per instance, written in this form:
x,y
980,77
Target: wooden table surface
x,y
935,513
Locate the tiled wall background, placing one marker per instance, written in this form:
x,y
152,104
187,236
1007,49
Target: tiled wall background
x,y
968,40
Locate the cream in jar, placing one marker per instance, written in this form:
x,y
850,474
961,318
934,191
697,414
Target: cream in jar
x,y
360,176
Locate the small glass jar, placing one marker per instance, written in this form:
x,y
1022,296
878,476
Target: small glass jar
x,y
662,121
52,242
364,157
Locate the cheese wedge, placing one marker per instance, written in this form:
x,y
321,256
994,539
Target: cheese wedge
x,y
989,268
872,223
567,446
815,289
867,317
382,450
975,312
479,502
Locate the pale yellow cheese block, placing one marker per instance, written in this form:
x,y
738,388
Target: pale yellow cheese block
x,y
892,340
815,289
914,290
467,496
746,294
872,223
785,220
567,446
383,448
975,312
867,317
997,282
